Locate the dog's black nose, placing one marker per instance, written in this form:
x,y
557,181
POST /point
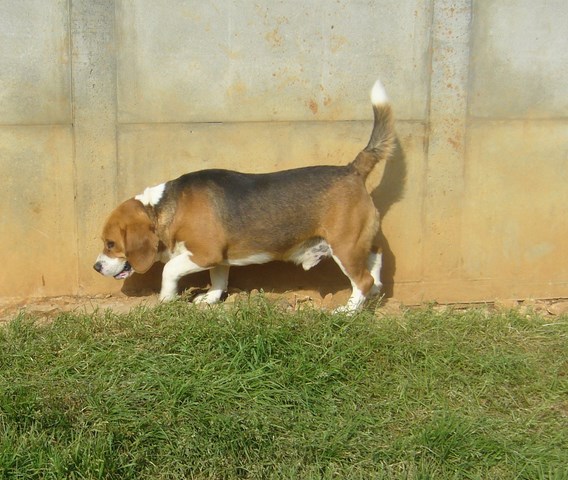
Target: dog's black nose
x,y
98,266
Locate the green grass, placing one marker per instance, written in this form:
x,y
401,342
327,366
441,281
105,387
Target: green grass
x,y
253,392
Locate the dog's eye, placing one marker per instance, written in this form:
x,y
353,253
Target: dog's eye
x,y
109,244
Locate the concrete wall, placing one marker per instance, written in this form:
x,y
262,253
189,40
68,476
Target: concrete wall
x,y
99,99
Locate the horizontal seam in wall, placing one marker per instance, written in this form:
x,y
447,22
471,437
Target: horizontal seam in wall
x,y
518,119
35,125
236,122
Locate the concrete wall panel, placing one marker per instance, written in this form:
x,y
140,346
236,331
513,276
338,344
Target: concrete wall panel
x,y
516,202
443,188
246,61
100,99
37,221
150,154
520,58
398,191
34,62
94,112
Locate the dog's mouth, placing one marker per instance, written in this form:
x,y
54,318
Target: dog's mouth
x,y
125,272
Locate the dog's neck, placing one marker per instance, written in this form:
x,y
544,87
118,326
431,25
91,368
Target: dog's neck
x,y
161,216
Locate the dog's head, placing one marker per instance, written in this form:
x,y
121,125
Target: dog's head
x,y
130,242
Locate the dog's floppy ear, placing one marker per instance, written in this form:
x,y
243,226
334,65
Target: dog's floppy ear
x,y
141,246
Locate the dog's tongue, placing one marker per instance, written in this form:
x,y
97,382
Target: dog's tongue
x,y
123,274
126,272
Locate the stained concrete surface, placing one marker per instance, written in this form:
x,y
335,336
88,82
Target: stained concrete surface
x,y
99,99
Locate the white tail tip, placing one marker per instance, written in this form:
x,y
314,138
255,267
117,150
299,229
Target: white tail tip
x,y
379,94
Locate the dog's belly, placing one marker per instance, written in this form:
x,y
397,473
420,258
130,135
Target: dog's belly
x,y
308,254
254,259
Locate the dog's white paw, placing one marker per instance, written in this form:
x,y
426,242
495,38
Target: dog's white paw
x,y
347,309
167,297
209,298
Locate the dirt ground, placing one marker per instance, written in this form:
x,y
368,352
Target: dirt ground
x,y
47,308
120,303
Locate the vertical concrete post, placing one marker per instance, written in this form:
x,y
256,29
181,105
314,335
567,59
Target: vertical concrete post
x,y
444,183
93,48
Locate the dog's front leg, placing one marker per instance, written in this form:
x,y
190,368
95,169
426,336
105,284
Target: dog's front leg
x,y
174,269
219,282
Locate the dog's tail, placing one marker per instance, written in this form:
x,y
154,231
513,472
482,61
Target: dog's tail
x,y
382,141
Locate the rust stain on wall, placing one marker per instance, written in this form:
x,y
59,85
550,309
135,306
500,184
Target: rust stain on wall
x,y
337,42
238,88
313,106
274,37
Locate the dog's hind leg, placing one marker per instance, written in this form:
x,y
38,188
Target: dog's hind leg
x,y
375,264
362,281
219,282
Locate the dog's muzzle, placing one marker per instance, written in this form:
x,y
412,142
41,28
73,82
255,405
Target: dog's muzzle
x,y
124,273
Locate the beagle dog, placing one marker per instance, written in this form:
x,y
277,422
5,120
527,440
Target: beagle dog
x,y
215,219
